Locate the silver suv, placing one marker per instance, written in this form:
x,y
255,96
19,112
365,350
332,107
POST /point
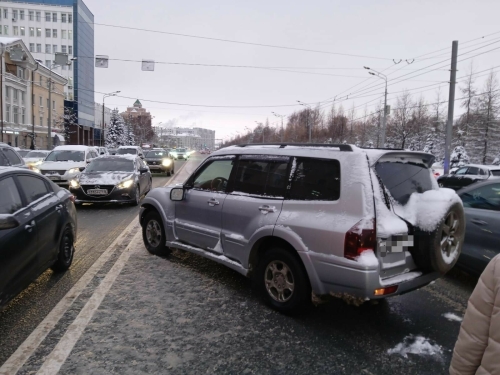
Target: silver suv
x,y
312,220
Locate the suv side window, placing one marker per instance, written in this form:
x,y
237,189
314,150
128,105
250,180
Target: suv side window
x,y
3,159
473,171
10,200
315,179
34,188
462,170
257,175
484,197
12,157
214,176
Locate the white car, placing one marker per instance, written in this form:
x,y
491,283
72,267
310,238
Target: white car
x,y
130,150
64,162
35,157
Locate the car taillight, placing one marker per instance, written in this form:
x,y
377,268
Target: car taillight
x,y
359,238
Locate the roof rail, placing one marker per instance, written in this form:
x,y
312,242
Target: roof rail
x,y
383,148
341,147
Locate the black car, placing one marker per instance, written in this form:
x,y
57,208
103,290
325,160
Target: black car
x,y
37,229
466,175
481,202
112,179
10,157
159,161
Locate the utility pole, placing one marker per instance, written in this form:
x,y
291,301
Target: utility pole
x,y
282,132
373,72
451,106
309,126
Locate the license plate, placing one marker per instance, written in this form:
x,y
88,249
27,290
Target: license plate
x,y
97,191
56,178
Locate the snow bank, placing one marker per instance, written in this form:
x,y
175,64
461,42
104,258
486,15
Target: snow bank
x,y
427,210
416,345
453,317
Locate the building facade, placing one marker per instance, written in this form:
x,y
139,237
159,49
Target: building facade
x,y
193,138
98,120
140,121
50,26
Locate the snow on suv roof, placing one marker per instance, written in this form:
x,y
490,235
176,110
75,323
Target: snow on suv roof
x,y
134,147
74,148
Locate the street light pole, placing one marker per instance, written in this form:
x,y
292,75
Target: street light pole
x,y
384,118
308,115
282,132
261,124
102,124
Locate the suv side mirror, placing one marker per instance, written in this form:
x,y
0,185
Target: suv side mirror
x,y
89,160
177,194
8,222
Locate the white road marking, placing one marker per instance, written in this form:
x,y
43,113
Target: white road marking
x,y
58,356
28,347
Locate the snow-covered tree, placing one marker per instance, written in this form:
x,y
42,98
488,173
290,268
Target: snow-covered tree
x,y
116,135
459,157
497,160
68,120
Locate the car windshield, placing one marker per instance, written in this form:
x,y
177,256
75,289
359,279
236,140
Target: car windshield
x,y
156,154
126,151
23,153
181,150
66,155
496,172
110,165
36,154
404,179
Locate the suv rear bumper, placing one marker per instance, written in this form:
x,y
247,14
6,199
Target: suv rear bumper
x,y
328,277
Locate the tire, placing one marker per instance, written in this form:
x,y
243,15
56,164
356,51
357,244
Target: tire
x,y
172,172
277,271
137,196
66,251
153,234
169,173
439,250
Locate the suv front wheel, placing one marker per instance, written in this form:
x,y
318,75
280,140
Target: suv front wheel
x,y
282,281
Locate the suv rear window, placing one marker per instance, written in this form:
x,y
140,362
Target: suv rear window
x,y
404,179
496,172
315,180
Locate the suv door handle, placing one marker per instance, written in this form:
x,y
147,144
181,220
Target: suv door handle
x,y
213,202
59,207
29,227
265,209
479,222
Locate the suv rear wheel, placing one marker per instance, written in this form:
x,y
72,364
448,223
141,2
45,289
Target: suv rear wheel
x,y
282,281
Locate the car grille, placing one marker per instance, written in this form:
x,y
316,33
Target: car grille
x,y
153,163
109,188
54,172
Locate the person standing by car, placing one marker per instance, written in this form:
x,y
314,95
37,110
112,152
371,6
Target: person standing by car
x,y
477,349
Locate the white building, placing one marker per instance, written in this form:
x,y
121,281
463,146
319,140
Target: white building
x,y
194,138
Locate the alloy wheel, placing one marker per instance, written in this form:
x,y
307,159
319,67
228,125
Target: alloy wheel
x,y
279,281
153,233
449,240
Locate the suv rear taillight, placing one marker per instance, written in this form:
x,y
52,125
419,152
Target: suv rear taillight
x,y
359,238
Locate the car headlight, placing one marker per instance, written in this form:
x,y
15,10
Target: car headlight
x,y
166,162
34,169
126,184
38,162
74,170
74,183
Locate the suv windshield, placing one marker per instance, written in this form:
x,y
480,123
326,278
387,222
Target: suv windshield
x,y
181,150
404,179
110,165
157,154
36,154
66,155
126,151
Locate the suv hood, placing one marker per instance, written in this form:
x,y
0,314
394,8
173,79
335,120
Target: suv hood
x,y
61,165
32,160
104,178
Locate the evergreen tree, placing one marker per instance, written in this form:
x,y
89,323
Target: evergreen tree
x,y
116,135
459,157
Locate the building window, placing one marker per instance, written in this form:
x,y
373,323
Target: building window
x,y
0,29
47,17
39,31
5,13
7,114
39,48
53,105
16,115
23,31
70,34
38,16
16,95
22,97
32,47
47,63
70,81
63,17
41,121
16,30
70,18
32,31
7,92
47,48
21,14
23,115
14,14
6,30
31,15
63,34
54,33
64,49
47,33
70,50
48,103
41,99
54,48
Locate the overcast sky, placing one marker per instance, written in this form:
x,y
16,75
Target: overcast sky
x,y
384,29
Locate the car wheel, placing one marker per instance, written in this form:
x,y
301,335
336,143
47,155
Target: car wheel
x,y
137,196
66,251
169,173
439,250
282,281
172,172
153,234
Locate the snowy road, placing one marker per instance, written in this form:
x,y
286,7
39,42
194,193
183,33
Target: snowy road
x,y
141,313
